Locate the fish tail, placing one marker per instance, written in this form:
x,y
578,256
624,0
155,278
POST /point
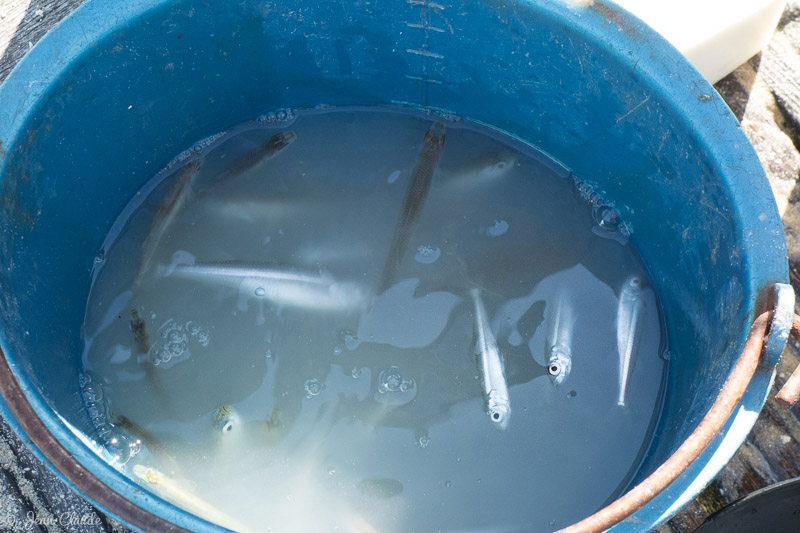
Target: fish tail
x,y
631,340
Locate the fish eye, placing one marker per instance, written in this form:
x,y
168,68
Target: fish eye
x,y
495,416
554,369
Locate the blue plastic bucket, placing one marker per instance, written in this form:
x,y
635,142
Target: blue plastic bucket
x,y
116,90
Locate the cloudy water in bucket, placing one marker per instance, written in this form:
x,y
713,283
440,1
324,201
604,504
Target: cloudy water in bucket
x,y
372,320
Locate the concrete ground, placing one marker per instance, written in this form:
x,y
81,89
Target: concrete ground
x,y
764,93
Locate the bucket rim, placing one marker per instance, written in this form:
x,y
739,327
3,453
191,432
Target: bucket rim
x,y
602,22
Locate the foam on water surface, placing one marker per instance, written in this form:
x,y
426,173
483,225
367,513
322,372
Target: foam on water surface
x,y
291,394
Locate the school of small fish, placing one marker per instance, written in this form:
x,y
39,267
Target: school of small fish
x,y
320,291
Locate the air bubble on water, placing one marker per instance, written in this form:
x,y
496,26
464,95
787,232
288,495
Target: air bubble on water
x,y
500,227
704,98
92,392
394,388
198,333
202,338
260,291
172,343
443,114
118,446
407,385
279,115
96,411
331,471
351,342
152,316
104,431
427,254
447,484
168,327
83,379
607,217
268,354
176,348
337,350
356,372
197,147
423,441
135,446
313,387
390,380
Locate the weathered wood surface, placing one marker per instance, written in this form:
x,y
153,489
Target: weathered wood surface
x,y
764,94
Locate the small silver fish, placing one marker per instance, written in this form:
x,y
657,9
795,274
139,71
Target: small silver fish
x,y
629,319
291,288
170,206
244,163
490,366
259,209
559,360
176,493
143,345
485,170
266,150
418,189
380,488
225,419
139,329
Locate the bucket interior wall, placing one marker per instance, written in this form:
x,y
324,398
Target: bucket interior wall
x,y
614,114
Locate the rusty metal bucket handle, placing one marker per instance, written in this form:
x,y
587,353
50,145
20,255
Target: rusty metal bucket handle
x,y
708,428
790,392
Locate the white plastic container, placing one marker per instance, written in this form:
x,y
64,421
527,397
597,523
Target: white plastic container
x,y
715,35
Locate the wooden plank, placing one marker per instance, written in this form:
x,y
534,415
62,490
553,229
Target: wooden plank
x,y
24,22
